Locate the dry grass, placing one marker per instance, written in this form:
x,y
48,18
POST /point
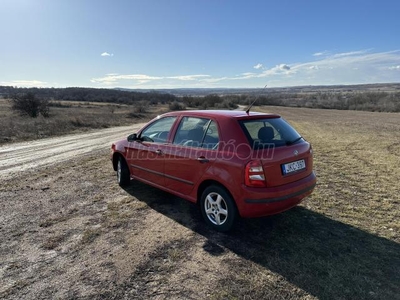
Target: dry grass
x,y
343,242
68,117
357,158
86,238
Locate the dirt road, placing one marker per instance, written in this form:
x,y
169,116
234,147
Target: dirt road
x,y
18,157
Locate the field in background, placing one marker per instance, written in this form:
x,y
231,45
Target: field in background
x,y
69,117
357,158
72,232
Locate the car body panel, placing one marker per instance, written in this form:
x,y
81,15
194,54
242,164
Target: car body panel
x,y
146,161
185,166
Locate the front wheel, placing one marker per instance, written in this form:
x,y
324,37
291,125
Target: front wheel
x,y
123,175
218,208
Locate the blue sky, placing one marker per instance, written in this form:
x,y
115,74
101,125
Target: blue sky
x,y
198,44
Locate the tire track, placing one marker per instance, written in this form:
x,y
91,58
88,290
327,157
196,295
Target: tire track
x,y
16,158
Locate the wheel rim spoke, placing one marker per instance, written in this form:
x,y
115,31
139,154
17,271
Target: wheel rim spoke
x,y
218,201
210,200
217,219
223,212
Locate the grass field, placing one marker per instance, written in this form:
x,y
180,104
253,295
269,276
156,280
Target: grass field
x,y
343,242
68,117
72,232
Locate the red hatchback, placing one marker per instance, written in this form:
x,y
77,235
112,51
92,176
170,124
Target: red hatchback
x,y
232,163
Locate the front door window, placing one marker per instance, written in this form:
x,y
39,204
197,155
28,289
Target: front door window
x,y
158,131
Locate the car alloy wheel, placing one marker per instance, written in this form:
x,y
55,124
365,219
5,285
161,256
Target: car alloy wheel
x,y
218,208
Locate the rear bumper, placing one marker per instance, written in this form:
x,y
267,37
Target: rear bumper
x,y
269,201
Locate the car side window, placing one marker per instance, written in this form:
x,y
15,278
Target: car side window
x,y
197,132
158,131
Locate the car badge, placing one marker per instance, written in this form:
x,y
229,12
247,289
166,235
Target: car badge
x,y
296,152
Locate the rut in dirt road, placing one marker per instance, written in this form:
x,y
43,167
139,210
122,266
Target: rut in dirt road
x,y
18,157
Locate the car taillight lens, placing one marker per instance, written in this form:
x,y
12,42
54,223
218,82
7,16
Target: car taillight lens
x,y
254,174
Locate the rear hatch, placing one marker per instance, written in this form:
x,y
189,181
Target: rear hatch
x,y
285,156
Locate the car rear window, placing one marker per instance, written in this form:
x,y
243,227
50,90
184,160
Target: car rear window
x,y
265,132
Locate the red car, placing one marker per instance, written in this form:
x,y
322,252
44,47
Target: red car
x,y
232,163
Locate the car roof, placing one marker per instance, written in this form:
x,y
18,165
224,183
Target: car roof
x,y
239,114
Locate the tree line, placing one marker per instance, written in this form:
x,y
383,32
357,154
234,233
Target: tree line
x,y
342,100
89,95
357,100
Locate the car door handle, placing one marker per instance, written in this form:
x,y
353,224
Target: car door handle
x,y
159,152
202,159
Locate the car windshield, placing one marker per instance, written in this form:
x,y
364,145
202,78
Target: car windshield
x,y
264,132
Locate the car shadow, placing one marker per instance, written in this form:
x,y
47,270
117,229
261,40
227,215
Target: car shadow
x,y
324,257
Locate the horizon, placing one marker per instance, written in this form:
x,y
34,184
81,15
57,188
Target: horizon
x,y
198,45
210,88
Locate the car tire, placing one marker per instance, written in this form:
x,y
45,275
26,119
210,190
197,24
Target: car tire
x,y
218,208
123,175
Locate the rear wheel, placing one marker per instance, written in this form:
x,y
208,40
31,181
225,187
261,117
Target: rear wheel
x,y
218,208
123,176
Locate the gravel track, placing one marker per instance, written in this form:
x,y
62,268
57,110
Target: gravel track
x,y
18,157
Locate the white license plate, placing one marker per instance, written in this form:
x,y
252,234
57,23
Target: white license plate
x,y
293,166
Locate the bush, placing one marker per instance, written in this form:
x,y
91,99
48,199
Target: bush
x,y
227,104
28,104
141,107
176,106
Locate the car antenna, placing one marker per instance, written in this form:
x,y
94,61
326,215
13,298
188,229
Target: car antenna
x,y
252,103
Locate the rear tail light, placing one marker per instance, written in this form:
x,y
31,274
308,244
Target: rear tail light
x,y
254,174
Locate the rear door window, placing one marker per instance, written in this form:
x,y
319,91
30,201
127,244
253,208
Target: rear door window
x,y
197,132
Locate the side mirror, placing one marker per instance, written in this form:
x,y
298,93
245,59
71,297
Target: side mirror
x,y
132,137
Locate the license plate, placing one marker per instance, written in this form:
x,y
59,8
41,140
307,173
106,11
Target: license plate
x,y
293,166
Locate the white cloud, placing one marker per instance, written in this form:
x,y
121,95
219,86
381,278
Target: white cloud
x,y
188,77
281,69
24,83
284,67
362,66
214,80
115,78
341,68
351,53
320,53
107,54
258,66
348,68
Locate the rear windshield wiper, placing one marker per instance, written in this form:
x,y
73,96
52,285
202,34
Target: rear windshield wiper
x,y
288,143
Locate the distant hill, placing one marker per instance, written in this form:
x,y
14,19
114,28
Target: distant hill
x,y
378,87
371,97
